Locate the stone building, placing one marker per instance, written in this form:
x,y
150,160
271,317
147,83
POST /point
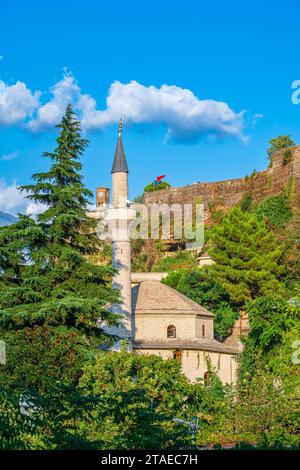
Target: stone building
x,y
169,324
157,319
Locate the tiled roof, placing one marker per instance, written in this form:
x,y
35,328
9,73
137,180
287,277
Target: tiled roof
x,y
155,297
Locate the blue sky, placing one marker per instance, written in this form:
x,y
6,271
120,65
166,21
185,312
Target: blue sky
x,y
157,63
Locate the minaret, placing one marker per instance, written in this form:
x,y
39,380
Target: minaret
x,y
121,252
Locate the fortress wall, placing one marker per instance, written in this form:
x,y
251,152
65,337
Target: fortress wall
x,y
225,194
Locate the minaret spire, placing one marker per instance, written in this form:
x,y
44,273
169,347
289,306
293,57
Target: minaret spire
x,y
120,163
120,127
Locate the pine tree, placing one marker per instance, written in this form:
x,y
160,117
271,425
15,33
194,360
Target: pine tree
x,y
247,257
46,277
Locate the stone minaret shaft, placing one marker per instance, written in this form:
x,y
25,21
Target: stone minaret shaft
x,y
121,252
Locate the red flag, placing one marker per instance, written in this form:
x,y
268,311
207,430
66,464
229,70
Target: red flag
x,y
159,178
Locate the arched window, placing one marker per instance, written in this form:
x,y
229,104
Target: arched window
x,y
203,330
207,377
171,331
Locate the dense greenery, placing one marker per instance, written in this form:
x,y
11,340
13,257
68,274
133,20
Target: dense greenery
x,y
275,326
59,390
276,210
118,400
45,275
262,410
179,260
256,414
51,295
246,255
150,255
126,401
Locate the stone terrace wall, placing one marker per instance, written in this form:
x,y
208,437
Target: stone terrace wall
x,y
225,194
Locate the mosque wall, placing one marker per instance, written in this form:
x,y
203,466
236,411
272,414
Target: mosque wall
x,y
153,327
194,363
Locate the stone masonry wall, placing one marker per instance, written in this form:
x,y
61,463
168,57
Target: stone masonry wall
x,y
195,363
226,194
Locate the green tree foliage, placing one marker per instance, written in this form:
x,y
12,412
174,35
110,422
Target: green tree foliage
x,y
276,210
257,414
122,401
151,186
129,401
269,321
181,259
39,356
12,423
142,395
266,408
45,275
274,327
247,257
279,143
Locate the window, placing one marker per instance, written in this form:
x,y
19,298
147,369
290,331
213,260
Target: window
x,y
177,355
203,330
207,377
171,331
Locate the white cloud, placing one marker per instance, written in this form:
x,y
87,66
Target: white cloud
x,y
179,110
34,208
63,92
253,120
12,200
184,116
9,156
17,103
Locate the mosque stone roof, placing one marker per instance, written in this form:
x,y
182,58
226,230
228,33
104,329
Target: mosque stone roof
x,y
154,297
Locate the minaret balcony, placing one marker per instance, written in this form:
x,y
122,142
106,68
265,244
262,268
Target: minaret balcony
x,y
119,213
114,223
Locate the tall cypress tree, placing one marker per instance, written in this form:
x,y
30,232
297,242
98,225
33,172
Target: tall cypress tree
x,y
46,277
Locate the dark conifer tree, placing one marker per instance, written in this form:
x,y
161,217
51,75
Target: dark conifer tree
x,y
46,277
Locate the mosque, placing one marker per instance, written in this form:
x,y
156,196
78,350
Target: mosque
x,y
157,319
